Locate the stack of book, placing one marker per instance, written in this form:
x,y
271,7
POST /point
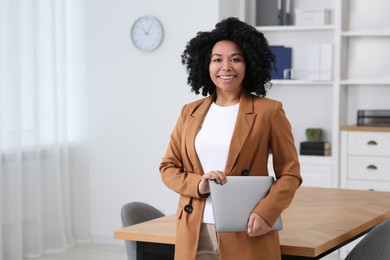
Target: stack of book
x,y
315,148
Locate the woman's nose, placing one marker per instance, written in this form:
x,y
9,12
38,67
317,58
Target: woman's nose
x,y
226,66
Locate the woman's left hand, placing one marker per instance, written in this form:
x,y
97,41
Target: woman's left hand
x,y
257,226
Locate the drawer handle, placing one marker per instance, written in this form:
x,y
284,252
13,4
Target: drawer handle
x,y
372,167
372,142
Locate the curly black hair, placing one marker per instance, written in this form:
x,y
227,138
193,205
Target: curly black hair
x,y
258,57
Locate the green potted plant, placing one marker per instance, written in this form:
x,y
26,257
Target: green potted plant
x,y
314,134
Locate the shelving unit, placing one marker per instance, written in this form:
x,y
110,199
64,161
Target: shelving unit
x,y
379,33
294,28
360,34
302,83
365,57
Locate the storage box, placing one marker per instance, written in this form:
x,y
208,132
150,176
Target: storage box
x,y
373,117
310,17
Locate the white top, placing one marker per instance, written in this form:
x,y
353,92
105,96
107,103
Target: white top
x,y
212,144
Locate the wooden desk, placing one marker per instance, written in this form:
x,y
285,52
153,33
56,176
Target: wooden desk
x,y
317,222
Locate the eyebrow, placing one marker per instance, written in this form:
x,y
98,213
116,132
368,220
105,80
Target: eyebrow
x,y
234,54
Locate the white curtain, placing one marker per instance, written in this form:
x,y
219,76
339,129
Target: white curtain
x,y
43,136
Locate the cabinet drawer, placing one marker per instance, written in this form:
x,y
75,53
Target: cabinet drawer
x,y
368,185
369,143
316,175
369,168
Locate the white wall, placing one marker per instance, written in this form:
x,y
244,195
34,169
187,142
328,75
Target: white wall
x,y
134,101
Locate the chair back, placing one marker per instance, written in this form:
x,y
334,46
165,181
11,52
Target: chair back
x,y
133,213
375,245
136,212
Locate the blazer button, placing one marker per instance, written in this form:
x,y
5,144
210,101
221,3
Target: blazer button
x,y
245,173
188,208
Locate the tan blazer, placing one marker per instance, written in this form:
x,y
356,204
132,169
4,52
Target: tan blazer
x,y
261,127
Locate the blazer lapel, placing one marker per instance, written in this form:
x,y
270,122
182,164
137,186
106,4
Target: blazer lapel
x,y
244,123
194,124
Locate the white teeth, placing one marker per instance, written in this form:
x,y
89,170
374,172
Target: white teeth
x,y
226,77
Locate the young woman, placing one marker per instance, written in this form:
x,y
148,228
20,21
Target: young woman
x,y
229,132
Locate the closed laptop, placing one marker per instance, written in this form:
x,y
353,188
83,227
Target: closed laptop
x,y
234,201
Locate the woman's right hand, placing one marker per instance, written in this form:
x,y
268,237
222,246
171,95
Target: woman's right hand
x,y
218,176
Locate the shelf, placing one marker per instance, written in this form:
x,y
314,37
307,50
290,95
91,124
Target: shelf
x,y
294,28
365,82
384,33
302,82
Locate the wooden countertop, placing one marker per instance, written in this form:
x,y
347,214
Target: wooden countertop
x,y
365,128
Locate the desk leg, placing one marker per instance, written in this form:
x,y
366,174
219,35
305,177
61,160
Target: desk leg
x,y
140,251
155,251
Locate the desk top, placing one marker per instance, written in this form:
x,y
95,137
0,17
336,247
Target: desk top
x,y
318,220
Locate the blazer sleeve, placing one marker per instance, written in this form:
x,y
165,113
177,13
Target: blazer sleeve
x,y
286,167
173,172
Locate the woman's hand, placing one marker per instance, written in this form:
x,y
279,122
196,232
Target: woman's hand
x,y
257,226
217,176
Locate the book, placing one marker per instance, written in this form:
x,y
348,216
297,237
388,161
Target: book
x,y
283,60
268,13
315,148
286,12
274,12
323,152
326,54
320,61
314,61
315,145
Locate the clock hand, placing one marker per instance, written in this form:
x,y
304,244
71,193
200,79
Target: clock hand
x,y
145,31
150,26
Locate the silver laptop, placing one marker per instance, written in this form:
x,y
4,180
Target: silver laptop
x,y
234,201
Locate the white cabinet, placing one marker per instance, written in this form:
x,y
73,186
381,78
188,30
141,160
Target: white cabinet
x,y
359,32
365,158
316,171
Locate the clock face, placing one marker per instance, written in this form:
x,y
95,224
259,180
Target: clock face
x,y
147,33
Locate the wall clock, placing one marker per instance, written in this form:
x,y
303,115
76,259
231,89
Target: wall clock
x,y
147,33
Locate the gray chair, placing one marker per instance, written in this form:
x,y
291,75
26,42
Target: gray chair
x,y
375,245
133,213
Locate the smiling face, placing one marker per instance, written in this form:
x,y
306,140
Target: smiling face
x,y
227,66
